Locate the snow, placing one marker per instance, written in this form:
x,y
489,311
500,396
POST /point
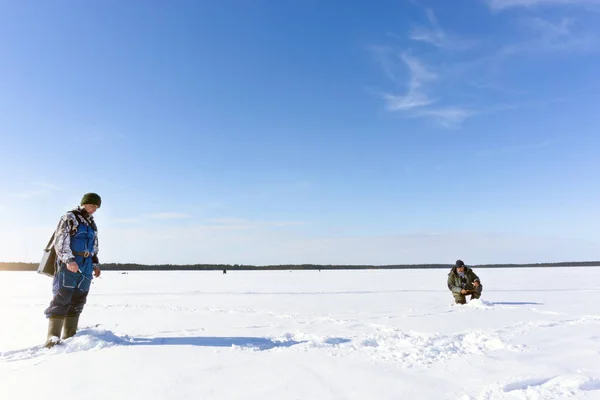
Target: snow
x,y
371,334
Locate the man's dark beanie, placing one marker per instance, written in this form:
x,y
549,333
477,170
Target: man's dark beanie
x,y
459,264
91,198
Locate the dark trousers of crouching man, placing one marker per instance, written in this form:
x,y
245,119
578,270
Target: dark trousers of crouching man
x,y
474,292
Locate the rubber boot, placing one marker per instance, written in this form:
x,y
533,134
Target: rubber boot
x,y
70,327
55,326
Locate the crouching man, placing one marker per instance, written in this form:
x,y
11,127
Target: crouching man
x,y
462,281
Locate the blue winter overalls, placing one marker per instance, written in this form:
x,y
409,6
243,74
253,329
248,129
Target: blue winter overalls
x,y
70,289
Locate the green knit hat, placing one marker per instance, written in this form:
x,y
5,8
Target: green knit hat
x,y
91,198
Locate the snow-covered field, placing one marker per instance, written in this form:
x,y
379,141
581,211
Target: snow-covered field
x,y
535,334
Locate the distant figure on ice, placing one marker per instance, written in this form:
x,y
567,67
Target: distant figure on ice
x,y
76,245
224,271
462,281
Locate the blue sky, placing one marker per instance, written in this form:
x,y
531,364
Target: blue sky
x,y
288,131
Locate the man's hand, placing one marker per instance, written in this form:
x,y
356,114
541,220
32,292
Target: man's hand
x,y
97,271
476,283
464,291
73,267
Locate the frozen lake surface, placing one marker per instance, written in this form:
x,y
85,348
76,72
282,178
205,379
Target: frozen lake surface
x,y
279,335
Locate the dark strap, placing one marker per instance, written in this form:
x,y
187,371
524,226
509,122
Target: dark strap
x,y
85,254
51,241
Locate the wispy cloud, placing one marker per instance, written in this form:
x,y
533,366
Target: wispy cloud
x,y
387,59
422,95
117,221
481,84
29,194
521,148
438,37
47,185
534,37
463,84
417,102
39,189
165,216
499,5
449,117
415,95
252,224
149,197
552,36
169,216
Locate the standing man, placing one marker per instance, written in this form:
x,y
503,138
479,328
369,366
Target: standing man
x,y
76,245
462,281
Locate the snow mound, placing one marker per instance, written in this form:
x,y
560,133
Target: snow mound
x,y
408,349
313,341
557,387
93,339
87,339
478,303
411,349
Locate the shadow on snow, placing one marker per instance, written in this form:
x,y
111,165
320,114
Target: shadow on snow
x,y
93,339
257,343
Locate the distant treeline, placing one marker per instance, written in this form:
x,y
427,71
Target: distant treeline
x,y
4,266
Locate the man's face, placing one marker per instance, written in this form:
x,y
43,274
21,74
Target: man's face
x,y
90,208
460,269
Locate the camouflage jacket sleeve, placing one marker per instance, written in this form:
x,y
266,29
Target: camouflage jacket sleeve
x,y
62,238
